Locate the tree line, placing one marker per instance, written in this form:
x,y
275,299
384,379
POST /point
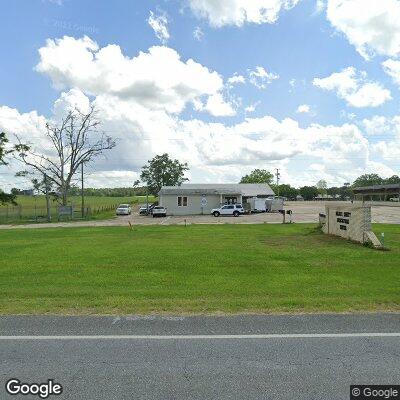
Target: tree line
x,y
320,188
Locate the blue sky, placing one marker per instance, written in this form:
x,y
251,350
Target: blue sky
x,y
349,122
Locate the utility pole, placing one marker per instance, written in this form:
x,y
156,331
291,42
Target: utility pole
x,y
46,188
277,179
82,194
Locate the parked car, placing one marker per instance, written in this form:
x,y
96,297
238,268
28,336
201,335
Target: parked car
x,y
228,209
124,209
395,199
159,211
144,210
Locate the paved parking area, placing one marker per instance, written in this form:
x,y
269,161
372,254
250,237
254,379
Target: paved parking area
x,y
306,211
303,212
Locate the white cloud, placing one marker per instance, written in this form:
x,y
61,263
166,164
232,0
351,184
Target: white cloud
x,y
111,178
28,126
261,78
214,151
217,106
303,109
388,129
159,24
198,33
392,68
158,79
377,125
388,151
319,6
251,107
354,88
238,12
347,115
69,101
372,26
145,124
381,125
236,78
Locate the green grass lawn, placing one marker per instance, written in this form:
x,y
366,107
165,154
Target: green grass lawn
x,y
195,269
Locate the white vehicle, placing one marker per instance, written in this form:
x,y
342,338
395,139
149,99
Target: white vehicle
x,y
228,209
124,209
395,199
159,211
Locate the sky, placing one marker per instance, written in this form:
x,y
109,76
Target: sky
x,y
307,86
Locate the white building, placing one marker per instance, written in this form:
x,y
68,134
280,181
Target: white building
x,y
191,199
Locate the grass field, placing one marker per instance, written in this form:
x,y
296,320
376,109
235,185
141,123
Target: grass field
x,y
197,269
33,208
95,201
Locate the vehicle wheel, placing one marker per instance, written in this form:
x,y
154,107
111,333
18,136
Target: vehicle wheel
x,y
216,214
236,213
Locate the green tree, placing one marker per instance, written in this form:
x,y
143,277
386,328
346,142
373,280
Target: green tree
x,y
368,180
287,191
258,176
309,192
392,180
163,171
322,186
4,197
333,191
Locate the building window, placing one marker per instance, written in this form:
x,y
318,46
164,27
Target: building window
x,y
230,200
182,201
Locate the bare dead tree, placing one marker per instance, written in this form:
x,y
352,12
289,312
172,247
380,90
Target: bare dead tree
x,y
76,140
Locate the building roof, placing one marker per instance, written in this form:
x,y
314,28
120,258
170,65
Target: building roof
x,y
244,189
393,188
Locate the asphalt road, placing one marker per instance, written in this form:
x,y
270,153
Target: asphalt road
x,y
241,357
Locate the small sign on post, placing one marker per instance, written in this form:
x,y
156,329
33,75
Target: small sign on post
x,y
203,203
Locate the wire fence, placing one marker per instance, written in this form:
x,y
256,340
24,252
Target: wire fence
x,y
19,213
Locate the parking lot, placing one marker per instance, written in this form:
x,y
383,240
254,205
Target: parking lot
x,y
305,211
